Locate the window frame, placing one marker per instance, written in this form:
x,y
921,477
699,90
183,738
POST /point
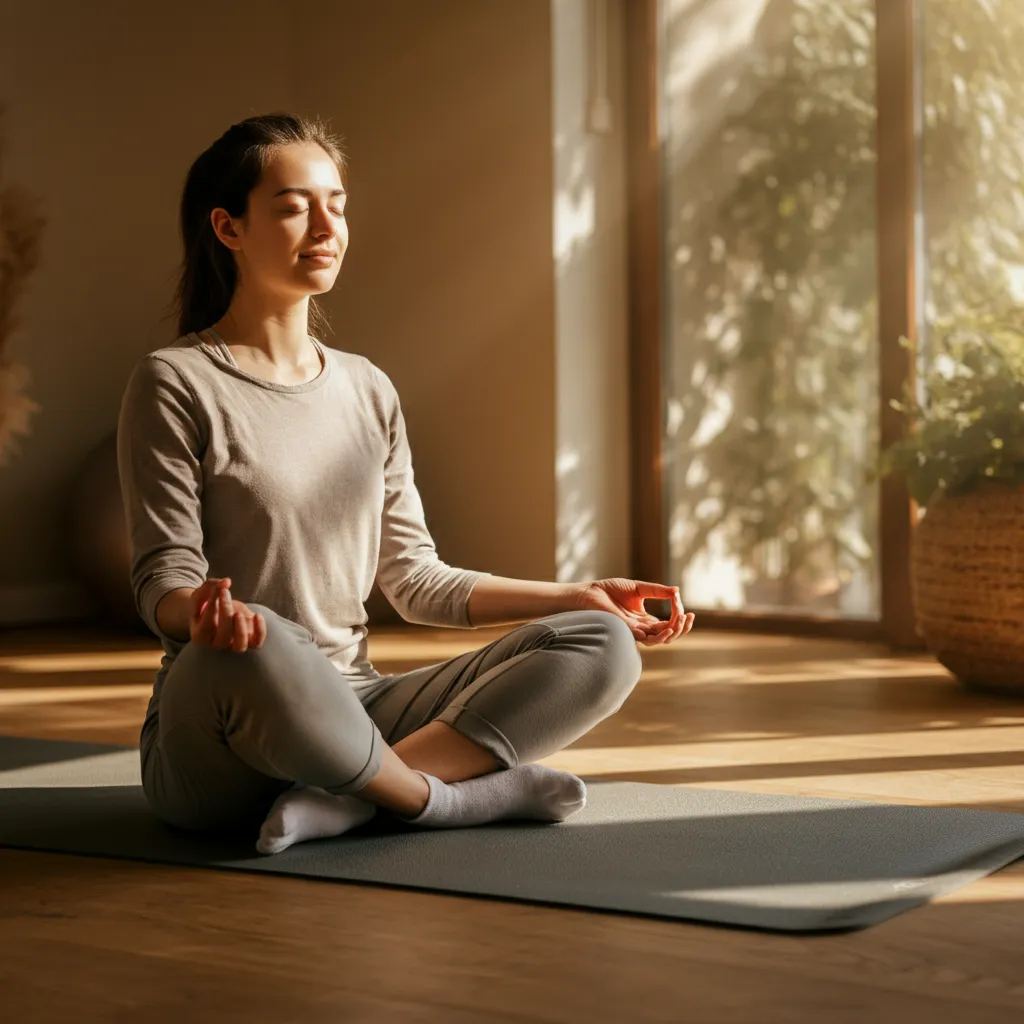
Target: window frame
x,y
896,202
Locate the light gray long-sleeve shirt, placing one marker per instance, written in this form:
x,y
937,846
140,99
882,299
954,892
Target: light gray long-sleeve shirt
x,y
302,494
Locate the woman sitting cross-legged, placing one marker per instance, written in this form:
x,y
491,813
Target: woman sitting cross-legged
x,y
267,481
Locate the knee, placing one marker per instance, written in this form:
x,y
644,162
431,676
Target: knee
x,y
618,663
279,630
254,663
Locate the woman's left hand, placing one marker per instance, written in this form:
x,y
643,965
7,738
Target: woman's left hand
x,y
625,598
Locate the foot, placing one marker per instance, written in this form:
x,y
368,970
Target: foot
x,y
310,813
529,791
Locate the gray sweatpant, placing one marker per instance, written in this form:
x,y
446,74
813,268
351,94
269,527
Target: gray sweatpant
x,y
236,730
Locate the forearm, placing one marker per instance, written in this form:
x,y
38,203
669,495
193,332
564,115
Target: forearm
x,y
500,599
173,612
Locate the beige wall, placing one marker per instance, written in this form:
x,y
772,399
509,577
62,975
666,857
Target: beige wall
x,y
449,284
105,106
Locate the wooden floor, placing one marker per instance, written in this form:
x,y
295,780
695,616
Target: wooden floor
x,y
85,939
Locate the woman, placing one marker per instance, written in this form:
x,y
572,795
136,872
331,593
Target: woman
x,y
267,482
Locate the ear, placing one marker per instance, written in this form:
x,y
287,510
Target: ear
x,y
224,228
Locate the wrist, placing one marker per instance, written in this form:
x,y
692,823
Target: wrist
x,y
574,595
173,613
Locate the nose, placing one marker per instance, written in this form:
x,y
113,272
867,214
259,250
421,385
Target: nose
x,y
321,223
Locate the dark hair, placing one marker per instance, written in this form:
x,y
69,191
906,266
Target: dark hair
x,y
224,175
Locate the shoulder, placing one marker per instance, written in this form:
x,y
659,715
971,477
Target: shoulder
x,y
182,358
361,368
172,369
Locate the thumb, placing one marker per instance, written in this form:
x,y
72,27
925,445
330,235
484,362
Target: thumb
x,y
655,590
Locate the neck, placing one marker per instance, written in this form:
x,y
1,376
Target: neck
x,y
267,331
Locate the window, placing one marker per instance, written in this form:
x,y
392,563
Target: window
x,y
972,164
770,390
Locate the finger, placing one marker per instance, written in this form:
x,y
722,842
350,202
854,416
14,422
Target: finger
x,y
240,641
200,599
667,631
225,613
239,630
678,602
680,626
641,630
635,627
653,590
197,600
683,628
250,627
682,621
207,627
653,627
675,607
259,630
226,631
651,639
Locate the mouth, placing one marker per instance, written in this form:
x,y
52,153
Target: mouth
x,y
318,258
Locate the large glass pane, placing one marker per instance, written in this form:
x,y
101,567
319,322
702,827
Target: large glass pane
x,y
972,160
770,362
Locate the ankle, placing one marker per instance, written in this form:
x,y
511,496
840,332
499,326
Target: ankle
x,y
404,791
441,750
416,800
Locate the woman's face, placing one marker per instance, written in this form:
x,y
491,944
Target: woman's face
x,y
298,206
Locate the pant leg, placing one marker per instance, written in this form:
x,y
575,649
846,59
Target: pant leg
x,y
236,730
523,697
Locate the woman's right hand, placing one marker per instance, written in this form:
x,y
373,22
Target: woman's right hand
x,y
219,622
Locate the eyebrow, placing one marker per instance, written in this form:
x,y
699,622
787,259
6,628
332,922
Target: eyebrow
x,y
308,192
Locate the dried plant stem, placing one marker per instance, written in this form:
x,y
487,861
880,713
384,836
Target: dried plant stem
x,y
21,230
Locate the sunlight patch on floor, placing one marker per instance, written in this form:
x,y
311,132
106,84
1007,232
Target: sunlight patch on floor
x,y
29,696
81,661
758,752
796,672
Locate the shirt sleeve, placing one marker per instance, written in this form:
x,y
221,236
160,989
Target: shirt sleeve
x,y
159,448
423,589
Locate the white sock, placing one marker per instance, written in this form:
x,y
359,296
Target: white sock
x,y
531,791
310,813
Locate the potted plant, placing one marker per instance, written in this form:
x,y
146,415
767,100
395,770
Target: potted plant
x,y
963,460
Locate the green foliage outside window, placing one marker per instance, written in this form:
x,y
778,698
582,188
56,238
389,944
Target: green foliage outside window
x,y
774,286
970,427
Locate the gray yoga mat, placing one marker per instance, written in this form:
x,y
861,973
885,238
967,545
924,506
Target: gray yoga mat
x,y
782,863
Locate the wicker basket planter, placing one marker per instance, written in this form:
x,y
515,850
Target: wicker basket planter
x,y
967,568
